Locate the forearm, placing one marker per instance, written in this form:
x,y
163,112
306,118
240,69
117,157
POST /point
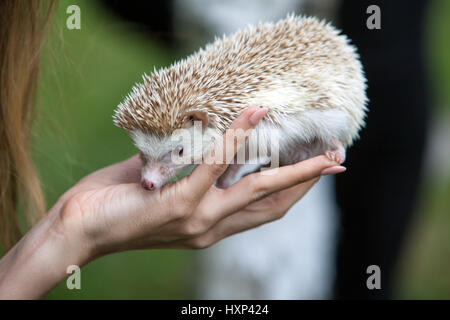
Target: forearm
x,y
38,262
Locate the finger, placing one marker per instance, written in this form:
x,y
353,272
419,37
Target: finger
x,y
205,174
260,184
257,214
286,198
271,208
127,171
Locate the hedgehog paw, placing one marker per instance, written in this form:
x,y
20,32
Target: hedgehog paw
x,y
228,177
223,183
336,155
336,151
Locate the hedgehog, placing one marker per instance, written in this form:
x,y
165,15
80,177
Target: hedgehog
x,y
303,70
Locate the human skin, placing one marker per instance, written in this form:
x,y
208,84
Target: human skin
x,y
108,211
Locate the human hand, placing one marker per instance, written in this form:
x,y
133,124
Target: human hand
x,y
112,212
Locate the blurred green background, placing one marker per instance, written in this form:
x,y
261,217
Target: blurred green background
x,y
87,72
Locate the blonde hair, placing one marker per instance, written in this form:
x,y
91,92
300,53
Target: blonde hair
x,y
23,25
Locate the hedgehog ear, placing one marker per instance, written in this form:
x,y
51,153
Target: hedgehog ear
x,y
197,116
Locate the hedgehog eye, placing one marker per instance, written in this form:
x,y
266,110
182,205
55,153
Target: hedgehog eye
x,y
142,157
179,150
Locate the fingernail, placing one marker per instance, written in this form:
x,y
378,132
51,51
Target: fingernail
x,y
332,170
250,110
258,115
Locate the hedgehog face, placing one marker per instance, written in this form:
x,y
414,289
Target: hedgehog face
x,y
158,155
164,156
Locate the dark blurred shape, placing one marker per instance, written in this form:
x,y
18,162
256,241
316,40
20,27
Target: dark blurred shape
x,y
152,17
377,194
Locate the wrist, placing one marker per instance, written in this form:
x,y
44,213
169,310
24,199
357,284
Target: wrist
x,y
67,231
39,261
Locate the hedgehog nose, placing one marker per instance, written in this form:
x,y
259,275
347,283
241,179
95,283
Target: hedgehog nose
x,y
147,184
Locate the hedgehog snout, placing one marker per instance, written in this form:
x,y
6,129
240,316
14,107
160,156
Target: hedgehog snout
x,y
147,184
154,176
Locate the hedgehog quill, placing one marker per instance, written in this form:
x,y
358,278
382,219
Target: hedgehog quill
x,y
304,71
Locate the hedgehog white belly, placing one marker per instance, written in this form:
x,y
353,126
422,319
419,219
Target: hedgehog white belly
x,y
299,134
295,137
289,107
